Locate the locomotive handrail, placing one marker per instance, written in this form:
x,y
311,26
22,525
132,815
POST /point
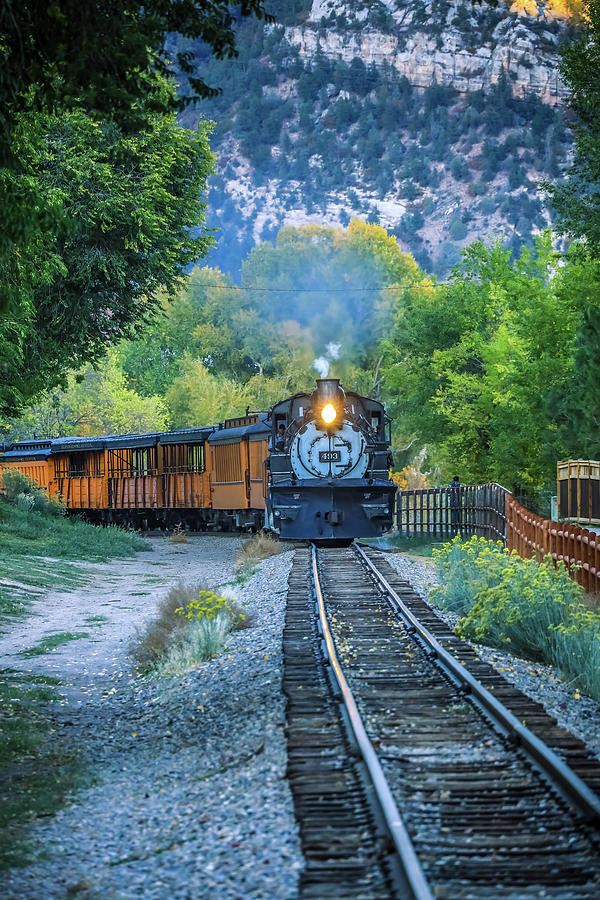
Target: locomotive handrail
x,y
578,792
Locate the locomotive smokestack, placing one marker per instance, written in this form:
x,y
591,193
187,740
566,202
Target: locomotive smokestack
x,y
328,390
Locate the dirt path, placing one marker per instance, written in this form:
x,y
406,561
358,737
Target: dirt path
x,y
120,596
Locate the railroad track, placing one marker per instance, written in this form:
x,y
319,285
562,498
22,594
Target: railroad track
x,y
436,777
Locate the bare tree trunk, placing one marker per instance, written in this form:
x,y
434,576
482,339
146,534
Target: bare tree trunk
x,y
376,380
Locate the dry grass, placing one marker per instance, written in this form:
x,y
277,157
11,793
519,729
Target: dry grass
x,y
171,643
201,639
151,643
178,535
259,546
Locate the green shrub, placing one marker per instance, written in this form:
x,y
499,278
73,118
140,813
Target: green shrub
x,y
25,502
458,229
26,495
203,639
534,609
15,483
466,568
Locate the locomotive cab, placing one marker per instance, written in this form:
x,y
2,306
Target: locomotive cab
x,y
329,466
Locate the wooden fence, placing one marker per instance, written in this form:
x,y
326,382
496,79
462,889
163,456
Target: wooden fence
x,y
578,548
491,511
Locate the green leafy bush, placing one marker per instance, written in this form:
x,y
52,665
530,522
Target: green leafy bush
x,y
467,568
26,495
535,609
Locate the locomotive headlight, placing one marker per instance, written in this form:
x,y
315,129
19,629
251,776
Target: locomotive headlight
x,y
328,413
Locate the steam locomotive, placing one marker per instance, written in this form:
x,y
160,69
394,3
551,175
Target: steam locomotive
x,y
329,466
315,468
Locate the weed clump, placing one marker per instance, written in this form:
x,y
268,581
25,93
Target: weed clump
x,y
178,535
26,495
192,626
534,609
260,546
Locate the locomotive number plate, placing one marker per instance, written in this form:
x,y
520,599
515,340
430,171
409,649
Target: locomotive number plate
x,y
330,456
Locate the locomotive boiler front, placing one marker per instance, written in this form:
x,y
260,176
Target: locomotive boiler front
x,y
329,466
328,445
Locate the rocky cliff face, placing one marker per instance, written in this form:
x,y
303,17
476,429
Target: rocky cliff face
x,y
457,43
436,118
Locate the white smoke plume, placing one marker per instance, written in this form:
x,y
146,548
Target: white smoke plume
x,y
322,366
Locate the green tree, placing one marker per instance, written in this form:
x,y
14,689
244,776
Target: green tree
x,y
128,203
319,291
96,401
578,407
198,398
332,282
195,323
577,201
474,366
103,58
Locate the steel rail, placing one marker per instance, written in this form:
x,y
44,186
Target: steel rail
x,y
571,784
410,864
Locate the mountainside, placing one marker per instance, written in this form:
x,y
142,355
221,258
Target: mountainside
x,y
456,43
435,119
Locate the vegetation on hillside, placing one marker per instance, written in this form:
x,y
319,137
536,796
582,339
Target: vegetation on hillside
x,y
335,136
577,199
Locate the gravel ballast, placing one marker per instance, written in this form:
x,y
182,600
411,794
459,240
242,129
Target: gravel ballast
x,y
189,795
577,713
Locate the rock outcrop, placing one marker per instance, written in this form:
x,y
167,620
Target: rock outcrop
x,y
457,43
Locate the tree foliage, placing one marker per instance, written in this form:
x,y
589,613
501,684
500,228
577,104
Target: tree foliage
x,y
102,53
319,292
103,57
332,282
577,200
95,401
125,205
478,369
100,188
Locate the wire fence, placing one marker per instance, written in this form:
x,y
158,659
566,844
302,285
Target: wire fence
x,y
489,510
